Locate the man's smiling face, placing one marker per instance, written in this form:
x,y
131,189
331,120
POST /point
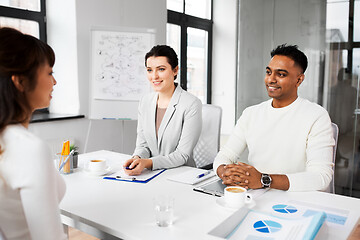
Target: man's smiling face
x,y
282,79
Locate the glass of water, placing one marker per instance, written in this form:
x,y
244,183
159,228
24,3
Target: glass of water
x,y
164,210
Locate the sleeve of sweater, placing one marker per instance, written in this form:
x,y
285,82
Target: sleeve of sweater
x,y
190,134
235,145
39,186
319,154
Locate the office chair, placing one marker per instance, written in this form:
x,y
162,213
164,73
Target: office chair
x,y
2,235
331,187
209,142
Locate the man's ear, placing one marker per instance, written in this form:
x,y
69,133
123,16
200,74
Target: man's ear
x,y
300,79
17,82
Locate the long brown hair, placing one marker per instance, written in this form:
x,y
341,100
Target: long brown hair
x,y
20,55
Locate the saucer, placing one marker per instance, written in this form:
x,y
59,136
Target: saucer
x,y
97,173
221,202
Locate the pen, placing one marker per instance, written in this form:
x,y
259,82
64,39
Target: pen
x,y
127,168
117,118
118,177
204,174
67,159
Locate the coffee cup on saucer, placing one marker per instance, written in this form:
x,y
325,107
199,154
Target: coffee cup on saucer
x,y
97,165
236,197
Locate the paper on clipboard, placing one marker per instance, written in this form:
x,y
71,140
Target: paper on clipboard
x,y
191,176
144,177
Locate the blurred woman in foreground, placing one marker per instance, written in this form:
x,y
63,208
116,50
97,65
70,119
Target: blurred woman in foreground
x,y
30,186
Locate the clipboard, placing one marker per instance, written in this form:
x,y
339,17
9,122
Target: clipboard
x,y
145,176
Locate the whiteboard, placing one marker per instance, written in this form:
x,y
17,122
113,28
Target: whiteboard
x,y
118,73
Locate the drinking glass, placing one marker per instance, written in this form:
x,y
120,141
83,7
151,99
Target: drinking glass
x,y
164,210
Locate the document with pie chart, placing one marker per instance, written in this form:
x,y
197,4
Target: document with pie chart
x,y
263,226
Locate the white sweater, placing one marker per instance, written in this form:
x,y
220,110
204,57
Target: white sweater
x,y
30,187
295,140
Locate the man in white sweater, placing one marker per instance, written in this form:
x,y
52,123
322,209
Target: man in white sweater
x,y
289,139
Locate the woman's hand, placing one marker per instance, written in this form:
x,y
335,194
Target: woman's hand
x,y
136,165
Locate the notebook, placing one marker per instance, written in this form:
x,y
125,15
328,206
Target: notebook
x,y
192,176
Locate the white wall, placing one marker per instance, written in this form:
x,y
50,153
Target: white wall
x,y
61,34
224,61
88,135
69,35
253,29
68,24
114,13
55,132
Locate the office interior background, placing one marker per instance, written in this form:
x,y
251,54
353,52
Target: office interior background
x,y
223,46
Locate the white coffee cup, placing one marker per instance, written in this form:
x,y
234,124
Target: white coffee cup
x,y
236,197
97,165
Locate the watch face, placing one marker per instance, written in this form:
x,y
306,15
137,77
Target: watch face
x,y
266,180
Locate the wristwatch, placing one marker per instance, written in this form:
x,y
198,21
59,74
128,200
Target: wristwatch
x,y
265,180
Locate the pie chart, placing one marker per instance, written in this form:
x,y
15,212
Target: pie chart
x,y
282,208
267,226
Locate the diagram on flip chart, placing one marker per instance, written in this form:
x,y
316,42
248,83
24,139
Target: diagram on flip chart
x,y
118,71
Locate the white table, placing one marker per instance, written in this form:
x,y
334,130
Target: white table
x,y
124,210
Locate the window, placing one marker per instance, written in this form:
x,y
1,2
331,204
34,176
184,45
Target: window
x,y
342,22
26,16
189,32
343,37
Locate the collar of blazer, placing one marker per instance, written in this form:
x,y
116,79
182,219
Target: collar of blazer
x,y
168,114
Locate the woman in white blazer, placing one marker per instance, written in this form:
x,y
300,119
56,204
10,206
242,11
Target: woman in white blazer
x,y
169,119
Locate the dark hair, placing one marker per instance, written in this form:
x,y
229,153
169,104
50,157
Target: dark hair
x,y
292,52
164,51
20,55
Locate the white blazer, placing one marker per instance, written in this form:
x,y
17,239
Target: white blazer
x,y
178,133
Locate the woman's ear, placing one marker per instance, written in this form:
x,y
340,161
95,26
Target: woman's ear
x,y
17,82
176,70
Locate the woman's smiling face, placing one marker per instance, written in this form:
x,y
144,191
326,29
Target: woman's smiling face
x,y
160,74
40,97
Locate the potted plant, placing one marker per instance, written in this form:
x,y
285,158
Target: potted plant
x,y
75,155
